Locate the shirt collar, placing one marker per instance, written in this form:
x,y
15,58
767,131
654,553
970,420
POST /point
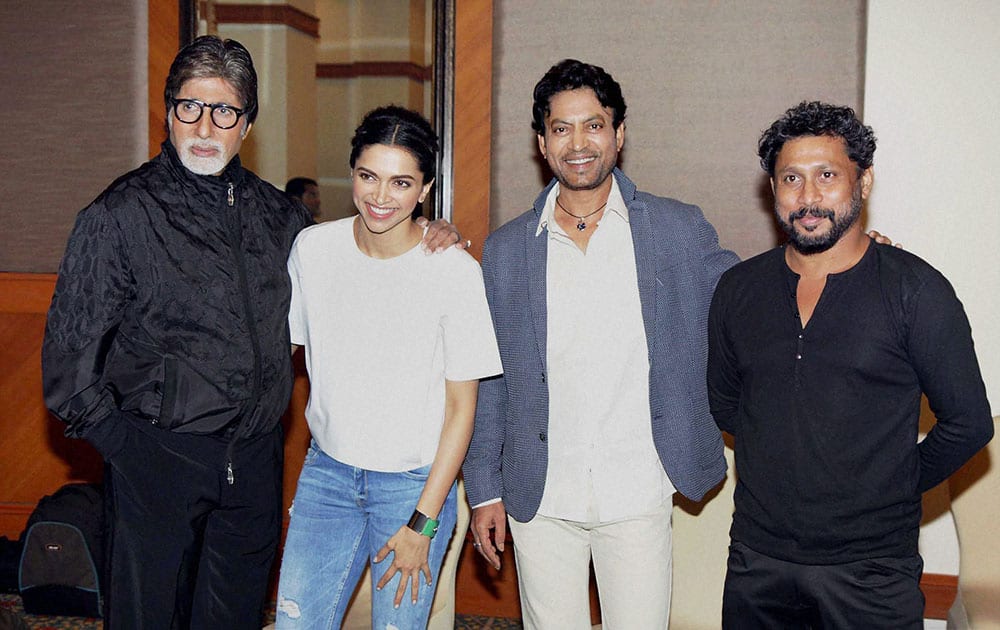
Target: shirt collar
x,y
616,204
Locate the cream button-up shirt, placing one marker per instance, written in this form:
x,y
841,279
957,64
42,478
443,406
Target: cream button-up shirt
x,y
602,464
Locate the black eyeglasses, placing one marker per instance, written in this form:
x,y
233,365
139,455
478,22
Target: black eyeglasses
x,y
189,111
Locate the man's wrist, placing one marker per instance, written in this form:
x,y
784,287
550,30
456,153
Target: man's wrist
x,y
423,524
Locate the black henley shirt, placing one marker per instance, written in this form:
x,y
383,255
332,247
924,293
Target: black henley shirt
x,y
826,417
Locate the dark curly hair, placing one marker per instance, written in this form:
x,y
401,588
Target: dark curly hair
x,y
818,119
570,74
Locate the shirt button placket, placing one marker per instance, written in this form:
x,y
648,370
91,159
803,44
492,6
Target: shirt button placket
x,y
798,358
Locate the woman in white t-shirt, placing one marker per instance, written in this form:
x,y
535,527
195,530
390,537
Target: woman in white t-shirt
x,y
395,343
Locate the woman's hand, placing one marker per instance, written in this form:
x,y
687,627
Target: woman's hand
x,y
409,558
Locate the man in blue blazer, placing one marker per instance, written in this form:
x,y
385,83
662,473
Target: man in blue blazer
x,y
600,297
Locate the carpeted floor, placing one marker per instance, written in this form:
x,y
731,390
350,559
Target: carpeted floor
x,y
12,603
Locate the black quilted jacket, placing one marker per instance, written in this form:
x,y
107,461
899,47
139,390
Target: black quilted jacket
x,y
171,303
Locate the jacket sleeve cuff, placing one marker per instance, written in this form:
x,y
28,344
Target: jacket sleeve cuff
x,y
485,503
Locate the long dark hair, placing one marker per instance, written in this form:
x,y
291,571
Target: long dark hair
x,y
818,119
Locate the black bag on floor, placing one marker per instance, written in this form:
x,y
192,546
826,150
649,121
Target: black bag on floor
x,y
10,559
63,547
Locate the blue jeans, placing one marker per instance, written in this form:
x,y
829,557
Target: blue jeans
x,y
341,517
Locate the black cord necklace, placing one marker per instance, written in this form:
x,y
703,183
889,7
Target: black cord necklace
x,y
580,223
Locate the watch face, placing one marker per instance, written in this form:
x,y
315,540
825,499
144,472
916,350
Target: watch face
x,y
423,525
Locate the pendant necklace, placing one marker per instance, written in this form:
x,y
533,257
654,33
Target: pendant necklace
x,y
581,224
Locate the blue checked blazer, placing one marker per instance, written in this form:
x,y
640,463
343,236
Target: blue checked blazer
x,y
679,261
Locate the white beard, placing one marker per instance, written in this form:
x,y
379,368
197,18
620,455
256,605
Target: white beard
x,y
203,165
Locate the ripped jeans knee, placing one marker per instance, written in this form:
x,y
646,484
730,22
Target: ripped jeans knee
x,y
289,608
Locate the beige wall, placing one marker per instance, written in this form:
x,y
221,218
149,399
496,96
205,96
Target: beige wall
x,y
282,143
701,80
301,105
935,112
74,113
305,122
976,505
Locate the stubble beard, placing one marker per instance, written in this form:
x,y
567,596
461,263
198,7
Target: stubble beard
x,y
589,184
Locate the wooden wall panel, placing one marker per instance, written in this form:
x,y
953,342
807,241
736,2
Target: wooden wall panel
x,y
472,119
35,457
358,69
939,594
164,41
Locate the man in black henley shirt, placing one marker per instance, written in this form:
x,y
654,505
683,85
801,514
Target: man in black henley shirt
x,y
819,352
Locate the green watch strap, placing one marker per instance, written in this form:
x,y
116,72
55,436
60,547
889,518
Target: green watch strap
x,y
422,524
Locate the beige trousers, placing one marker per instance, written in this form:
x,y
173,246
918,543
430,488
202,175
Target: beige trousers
x,y
632,562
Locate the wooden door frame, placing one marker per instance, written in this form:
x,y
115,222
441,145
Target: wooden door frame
x,y
472,120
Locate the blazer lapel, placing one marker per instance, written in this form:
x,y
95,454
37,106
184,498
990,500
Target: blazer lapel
x,y
645,260
536,255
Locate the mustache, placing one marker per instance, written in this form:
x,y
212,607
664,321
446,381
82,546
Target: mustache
x,y
206,143
813,211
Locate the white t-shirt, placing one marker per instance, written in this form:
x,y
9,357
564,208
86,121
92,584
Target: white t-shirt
x,y
381,336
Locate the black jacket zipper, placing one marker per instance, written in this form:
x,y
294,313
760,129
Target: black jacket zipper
x,y
251,326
